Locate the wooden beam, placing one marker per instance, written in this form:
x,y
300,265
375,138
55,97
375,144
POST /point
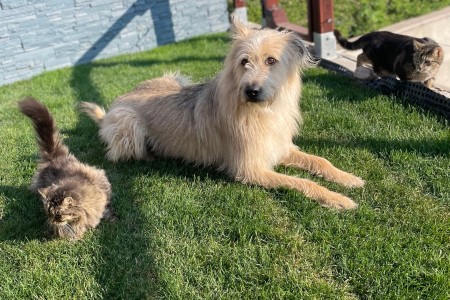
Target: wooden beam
x,y
275,17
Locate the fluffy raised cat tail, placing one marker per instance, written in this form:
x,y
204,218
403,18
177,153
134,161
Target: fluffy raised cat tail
x,y
94,111
47,134
358,44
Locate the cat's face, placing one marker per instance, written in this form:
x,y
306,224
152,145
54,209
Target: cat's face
x,y
427,57
61,208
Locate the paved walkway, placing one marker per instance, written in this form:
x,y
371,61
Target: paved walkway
x,y
435,25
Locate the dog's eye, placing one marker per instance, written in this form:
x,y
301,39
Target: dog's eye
x,y
270,61
244,62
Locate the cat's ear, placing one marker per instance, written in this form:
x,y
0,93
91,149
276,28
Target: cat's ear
x,y
417,45
439,53
68,201
43,192
238,29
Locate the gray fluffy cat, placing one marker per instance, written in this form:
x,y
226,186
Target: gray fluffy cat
x,y
75,195
391,54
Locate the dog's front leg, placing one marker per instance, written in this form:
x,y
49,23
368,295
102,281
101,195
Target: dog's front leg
x,y
320,166
272,179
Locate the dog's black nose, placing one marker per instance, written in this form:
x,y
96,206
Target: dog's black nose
x,y
253,92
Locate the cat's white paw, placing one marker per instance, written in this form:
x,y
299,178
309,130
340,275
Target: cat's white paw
x,y
364,73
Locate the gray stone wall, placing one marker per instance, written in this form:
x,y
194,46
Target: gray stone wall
x,y
41,35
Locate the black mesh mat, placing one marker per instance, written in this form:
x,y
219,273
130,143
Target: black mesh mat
x,y
407,92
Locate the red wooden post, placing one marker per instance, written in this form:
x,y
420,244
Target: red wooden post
x,y
321,25
238,3
321,15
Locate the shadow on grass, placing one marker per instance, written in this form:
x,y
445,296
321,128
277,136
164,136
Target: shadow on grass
x,y
425,147
338,87
408,94
343,89
25,219
129,270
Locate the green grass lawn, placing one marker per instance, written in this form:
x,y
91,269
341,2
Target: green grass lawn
x,y
187,232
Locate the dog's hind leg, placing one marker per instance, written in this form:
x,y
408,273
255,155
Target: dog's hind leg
x,y
124,135
272,179
320,166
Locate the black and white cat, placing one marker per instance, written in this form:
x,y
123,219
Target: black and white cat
x,y
391,54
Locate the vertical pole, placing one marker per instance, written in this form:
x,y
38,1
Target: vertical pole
x,y
321,24
309,10
240,10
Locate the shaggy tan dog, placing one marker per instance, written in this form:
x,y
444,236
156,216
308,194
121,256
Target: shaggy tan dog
x,y
242,122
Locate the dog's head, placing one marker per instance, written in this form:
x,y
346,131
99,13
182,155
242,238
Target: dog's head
x,y
264,61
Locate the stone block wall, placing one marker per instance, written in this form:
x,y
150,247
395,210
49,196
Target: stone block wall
x,y
41,35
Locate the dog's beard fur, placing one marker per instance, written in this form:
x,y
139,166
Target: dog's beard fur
x,y
243,121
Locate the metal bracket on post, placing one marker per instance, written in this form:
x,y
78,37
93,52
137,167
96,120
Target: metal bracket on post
x,y
321,25
325,45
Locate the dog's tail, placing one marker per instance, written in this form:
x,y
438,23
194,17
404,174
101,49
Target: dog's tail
x,y
94,111
358,44
47,134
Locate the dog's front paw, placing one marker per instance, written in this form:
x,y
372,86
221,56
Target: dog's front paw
x,y
353,181
347,179
338,201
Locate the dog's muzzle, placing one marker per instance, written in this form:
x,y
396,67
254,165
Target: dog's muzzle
x,y
254,93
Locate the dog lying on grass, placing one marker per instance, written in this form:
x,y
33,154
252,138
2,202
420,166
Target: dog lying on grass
x,y
242,121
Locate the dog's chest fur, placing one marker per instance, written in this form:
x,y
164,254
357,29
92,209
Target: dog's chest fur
x,y
272,137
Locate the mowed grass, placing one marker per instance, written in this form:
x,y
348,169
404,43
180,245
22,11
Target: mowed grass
x,y
187,232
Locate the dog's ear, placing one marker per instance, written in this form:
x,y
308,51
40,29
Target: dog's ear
x,y
306,59
238,29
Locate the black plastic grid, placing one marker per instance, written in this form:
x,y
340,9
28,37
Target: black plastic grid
x,y
407,92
